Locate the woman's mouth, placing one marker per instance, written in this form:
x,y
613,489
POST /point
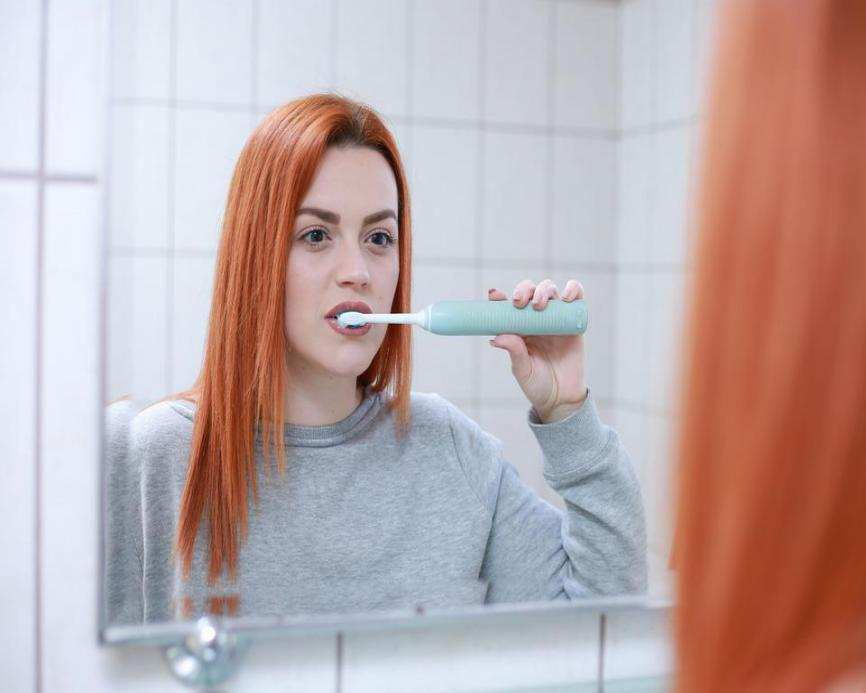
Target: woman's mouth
x,y
349,331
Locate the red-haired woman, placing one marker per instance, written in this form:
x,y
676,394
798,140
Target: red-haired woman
x,y
390,498
771,543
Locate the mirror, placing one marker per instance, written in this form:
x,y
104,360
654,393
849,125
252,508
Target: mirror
x,y
536,140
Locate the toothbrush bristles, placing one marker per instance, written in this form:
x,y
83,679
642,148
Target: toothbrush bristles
x,y
351,318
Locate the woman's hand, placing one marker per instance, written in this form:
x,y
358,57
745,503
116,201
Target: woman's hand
x,y
548,368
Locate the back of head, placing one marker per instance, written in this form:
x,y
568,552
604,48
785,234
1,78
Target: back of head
x,y
770,547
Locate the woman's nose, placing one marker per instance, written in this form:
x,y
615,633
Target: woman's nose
x,y
353,267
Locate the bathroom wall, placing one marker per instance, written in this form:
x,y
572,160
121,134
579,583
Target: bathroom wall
x,y
595,114
664,50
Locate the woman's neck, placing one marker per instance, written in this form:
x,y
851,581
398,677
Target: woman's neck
x,y
322,405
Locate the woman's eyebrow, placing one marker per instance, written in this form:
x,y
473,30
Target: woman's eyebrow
x,y
332,218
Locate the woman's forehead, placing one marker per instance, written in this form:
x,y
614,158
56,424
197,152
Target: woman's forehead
x,y
351,178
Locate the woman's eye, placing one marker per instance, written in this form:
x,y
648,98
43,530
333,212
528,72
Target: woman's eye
x,y
312,231
389,239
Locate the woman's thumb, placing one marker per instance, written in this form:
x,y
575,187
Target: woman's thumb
x,y
516,348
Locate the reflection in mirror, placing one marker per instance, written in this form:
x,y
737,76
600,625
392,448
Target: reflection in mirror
x,y
367,495
262,460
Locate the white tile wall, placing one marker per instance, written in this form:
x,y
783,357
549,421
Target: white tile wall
x,y
637,61
372,49
18,435
587,88
637,644
444,188
73,135
665,299
674,59
555,651
515,180
69,430
633,322
516,50
207,145
584,201
669,185
140,161
137,301
19,80
142,43
635,201
214,61
662,49
293,57
446,59
488,79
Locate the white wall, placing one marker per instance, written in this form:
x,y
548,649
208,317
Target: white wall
x,y
596,171
664,46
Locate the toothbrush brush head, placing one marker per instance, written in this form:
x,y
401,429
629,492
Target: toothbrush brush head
x,y
351,318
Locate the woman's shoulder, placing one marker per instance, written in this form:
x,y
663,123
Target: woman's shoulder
x,y
162,425
142,437
470,440
478,452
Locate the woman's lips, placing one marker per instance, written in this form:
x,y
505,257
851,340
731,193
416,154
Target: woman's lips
x,y
350,331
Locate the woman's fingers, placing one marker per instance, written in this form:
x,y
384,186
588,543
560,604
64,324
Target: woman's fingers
x,y
539,294
545,291
573,290
523,292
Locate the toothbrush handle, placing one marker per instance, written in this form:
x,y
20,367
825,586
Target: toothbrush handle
x,y
502,317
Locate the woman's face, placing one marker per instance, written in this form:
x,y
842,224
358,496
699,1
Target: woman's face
x,y
340,251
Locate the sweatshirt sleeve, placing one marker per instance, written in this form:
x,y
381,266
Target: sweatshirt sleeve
x,y
123,526
534,550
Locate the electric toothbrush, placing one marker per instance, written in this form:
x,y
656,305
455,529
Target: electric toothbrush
x,y
484,318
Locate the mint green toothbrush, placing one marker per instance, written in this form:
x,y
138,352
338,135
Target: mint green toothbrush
x,y
484,317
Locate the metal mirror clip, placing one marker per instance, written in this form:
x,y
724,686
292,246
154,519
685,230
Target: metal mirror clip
x,y
208,656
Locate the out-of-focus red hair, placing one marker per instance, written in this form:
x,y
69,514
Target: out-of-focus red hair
x,y
241,381
771,530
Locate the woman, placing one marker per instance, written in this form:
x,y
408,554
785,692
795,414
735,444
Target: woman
x,y
389,498
771,545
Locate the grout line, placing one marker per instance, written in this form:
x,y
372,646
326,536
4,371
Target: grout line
x,y
38,301
602,643
107,75
170,182
478,264
496,126
410,62
48,177
333,55
662,126
339,672
548,148
400,119
254,63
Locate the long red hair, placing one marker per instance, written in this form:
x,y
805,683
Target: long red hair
x,y
771,451
241,381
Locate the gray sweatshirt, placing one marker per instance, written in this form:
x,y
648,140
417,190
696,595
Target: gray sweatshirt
x,y
361,521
